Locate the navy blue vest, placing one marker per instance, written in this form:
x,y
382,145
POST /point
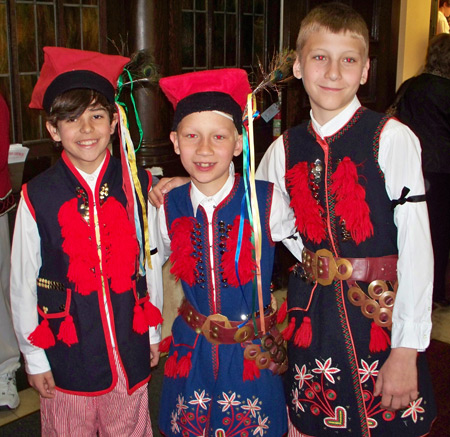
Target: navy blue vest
x,y
86,367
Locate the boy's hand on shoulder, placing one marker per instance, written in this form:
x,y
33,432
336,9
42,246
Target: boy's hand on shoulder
x,y
156,195
397,379
43,383
154,354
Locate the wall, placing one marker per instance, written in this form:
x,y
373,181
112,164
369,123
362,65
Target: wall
x,y
413,37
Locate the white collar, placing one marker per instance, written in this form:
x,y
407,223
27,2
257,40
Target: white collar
x,y
338,121
90,177
198,198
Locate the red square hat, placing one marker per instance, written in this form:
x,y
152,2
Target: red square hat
x,y
67,69
223,90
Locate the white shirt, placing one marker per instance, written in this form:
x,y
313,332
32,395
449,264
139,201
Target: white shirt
x,y
282,221
442,25
400,160
25,265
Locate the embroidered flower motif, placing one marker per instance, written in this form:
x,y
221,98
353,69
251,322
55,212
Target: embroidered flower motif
x,y
173,422
261,426
296,401
414,409
228,402
181,405
326,369
200,399
252,406
366,371
302,376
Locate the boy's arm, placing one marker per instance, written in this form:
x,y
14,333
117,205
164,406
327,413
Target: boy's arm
x,y
25,264
156,195
272,167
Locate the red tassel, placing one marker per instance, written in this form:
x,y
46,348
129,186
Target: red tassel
x,y
289,330
182,258
170,369
164,345
152,314
379,339
308,212
303,336
251,370
246,265
282,312
351,205
67,332
184,366
140,324
42,336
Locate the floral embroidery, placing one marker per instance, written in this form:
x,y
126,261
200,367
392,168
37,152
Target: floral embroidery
x,y
200,400
326,369
366,371
302,376
252,407
413,410
228,402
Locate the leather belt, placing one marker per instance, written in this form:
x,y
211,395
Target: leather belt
x,y
323,267
219,330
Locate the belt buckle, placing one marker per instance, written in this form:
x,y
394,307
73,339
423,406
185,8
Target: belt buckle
x,y
212,335
316,266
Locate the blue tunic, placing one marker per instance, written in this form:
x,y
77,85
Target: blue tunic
x,y
213,400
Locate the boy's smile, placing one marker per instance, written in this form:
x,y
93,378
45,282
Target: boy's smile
x,y
86,137
206,143
332,67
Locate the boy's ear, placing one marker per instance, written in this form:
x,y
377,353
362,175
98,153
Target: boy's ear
x,y
53,131
238,146
297,69
114,121
365,72
174,138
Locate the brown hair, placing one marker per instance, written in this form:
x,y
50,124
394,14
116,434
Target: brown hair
x,y
438,56
72,103
336,18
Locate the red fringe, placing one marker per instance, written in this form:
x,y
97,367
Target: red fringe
x,y
67,332
152,314
182,257
308,211
303,336
170,369
246,264
165,343
82,251
289,330
250,371
379,339
140,324
184,366
42,336
118,237
350,196
282,312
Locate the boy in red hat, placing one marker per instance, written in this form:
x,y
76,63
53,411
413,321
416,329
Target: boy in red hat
x,y
82,302
222,374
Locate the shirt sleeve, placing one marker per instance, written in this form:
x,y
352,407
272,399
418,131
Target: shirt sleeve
x,y
25,265
154,275
400,161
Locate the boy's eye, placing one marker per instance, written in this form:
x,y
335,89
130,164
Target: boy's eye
x,y
98,116
71,119
219,137
350,60
190,136
319,57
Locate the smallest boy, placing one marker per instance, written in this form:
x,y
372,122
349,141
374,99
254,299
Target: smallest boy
x,y
219,378
79,294
365,241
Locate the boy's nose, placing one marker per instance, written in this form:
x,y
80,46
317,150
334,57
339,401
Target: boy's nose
x,y
204,148
333,72
85,126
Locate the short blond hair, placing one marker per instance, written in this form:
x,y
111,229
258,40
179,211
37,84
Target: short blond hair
x,y
336,18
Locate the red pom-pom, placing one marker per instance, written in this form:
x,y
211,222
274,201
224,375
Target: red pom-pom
x,y
351,205
282,312
250,371
170,369
289,330
42,336
308,212
379,339
164,345
184,366
246,265
67,332
140,324
182,257
303,336
152,314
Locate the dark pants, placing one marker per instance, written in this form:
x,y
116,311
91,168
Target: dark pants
x,y
438,200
